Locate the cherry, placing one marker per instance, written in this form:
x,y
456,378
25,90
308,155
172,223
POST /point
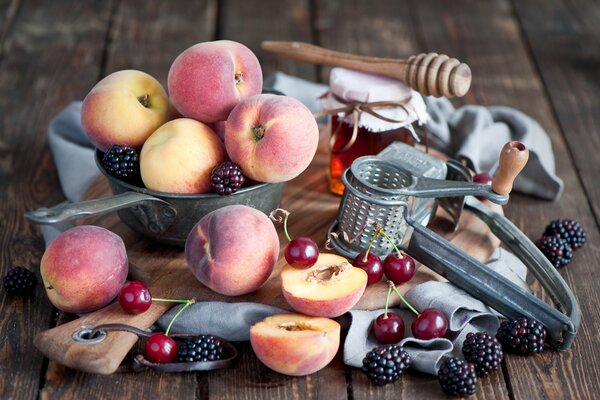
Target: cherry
x,y
372,265
301,252
134,297
483,177
160,349
388,329
399,268
430,324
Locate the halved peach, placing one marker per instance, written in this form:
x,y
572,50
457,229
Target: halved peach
x,y
327,289
295,344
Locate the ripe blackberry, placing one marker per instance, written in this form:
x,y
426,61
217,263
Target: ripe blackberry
x,y
19,281
557,250
384,364
484,351
568,230
524,336
122,162
201,348
457,377
226,178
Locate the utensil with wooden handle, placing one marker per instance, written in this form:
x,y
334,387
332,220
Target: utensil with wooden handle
x,y
430,74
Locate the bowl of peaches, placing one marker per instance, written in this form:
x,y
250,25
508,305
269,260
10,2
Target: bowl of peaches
x,y
216,139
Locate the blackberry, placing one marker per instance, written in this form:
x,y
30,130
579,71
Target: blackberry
x,y
384,364
524,336
226,178
568,230
457,377
19,281
557,250
122,162
201,348
484,351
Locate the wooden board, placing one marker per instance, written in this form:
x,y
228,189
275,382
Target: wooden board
x,y
165,270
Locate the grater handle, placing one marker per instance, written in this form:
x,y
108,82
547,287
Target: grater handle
x,y
513,157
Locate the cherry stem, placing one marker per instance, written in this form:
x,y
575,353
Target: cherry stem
x,y
187,304
402,298
389,239
170,300
365,258
275,216
387,300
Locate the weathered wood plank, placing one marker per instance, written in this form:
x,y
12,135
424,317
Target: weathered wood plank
x,y
145,36
251,22
8,13
386,29
487,36
564,39
35,84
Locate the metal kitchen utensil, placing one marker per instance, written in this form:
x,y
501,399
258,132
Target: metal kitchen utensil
x,y
163,217
382,192
388,181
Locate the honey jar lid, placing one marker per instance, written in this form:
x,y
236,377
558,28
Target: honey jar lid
x,y
347,86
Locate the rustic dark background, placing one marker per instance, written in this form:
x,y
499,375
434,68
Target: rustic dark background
x,y
542,57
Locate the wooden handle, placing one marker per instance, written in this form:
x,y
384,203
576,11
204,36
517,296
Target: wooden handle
x,y
513,157
430,74
104,357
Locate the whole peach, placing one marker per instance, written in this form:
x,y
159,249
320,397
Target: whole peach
x,y
179,157
232,250
84,268
272,138
124,108
295,344
208,79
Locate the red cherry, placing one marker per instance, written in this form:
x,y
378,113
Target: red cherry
x,y
388,330
302,252
372,266
430,324
399,269
483,177
134,297
160,349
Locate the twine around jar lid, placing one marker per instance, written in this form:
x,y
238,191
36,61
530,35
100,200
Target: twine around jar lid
x,y
393,99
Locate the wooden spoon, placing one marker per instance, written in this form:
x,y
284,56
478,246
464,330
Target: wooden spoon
x,y
430,74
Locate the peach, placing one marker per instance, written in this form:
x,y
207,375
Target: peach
x,y
272,138
233,249
179,157
208,79
295,344
124,108
327,289
84,268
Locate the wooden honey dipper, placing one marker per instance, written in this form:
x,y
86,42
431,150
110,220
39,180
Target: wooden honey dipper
x,y
430,74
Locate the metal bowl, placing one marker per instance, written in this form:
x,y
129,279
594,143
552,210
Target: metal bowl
x,y
162,217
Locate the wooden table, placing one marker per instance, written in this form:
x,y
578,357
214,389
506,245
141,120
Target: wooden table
x,y
542,57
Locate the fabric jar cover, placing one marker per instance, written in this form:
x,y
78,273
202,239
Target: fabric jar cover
x,y
347,86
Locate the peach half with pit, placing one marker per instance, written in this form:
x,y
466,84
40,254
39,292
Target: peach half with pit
x,y
295,344
327,289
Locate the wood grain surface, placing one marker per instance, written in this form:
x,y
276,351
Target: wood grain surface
x,y
540,57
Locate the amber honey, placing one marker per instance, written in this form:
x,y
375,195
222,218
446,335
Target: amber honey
x,y
366,143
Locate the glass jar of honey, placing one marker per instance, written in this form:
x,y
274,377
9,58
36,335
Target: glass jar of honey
x,y
368,113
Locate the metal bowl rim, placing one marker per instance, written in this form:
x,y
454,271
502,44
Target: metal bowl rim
x,y
165,195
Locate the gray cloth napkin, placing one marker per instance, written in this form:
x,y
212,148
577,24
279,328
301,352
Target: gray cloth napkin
x,y
464,313
73,156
